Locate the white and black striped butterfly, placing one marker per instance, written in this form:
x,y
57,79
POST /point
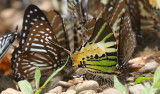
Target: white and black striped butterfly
x,y
6,41
33,49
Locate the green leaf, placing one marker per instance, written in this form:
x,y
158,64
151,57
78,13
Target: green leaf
x,y
37,77
53,74
156,80
140,79
157,85
119,86
149,89
25,87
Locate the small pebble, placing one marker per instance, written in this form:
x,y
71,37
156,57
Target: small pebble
x,y
136,89
151,66
71,88
111,91
64,84
86,85
50,93
69,92
130,79
75,81
57,90
87,92
11,91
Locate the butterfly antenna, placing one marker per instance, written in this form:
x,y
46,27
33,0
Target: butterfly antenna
x,y
58,46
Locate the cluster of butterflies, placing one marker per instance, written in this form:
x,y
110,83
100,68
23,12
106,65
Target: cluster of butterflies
x,y
110,42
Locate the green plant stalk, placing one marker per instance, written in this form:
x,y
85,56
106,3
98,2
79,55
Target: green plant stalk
x,y
53,74
37,77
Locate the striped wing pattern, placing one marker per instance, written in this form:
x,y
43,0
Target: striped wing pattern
x,y
57,25
74,36
149,19
7,40
155,4
36,52
115,19
106,15
89,28
31,15
132,7
99,54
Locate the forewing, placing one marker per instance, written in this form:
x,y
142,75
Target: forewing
x,y
115,19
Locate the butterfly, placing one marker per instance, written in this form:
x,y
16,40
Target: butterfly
x,y
101,53
6,41
33,49
113,14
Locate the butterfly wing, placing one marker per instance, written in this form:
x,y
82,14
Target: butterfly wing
x,y
58,28
127,41
57,25
36,52
89,28
132,7
106,15
31,15
149,19
100,52
6,41
115,19
155,6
